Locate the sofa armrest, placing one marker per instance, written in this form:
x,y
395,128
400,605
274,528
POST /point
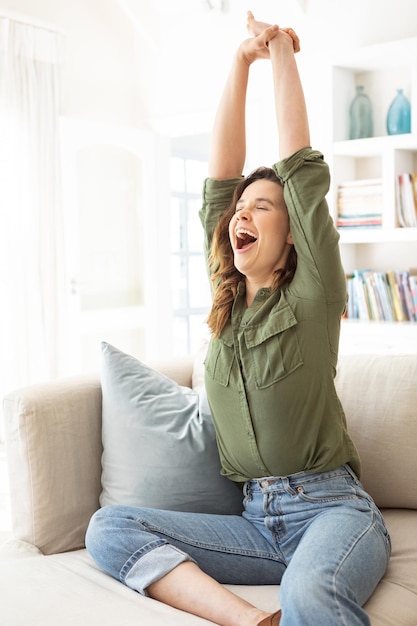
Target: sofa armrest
x,y
53,444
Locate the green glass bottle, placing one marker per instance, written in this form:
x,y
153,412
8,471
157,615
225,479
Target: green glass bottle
x,y
360,115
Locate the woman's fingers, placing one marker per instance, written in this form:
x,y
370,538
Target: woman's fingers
x,y
295,39
256,28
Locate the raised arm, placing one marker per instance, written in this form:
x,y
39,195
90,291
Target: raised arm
x,y
228,140
290,107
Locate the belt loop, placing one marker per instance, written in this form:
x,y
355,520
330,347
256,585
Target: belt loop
x,y
351,472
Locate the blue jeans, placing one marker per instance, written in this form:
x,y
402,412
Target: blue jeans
x,y
320,536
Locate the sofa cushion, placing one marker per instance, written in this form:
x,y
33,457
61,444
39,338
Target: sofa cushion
x,y
395,599
69,589
159,443
379,395
40,591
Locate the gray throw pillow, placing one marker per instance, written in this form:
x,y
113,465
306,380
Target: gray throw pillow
x,y
159,442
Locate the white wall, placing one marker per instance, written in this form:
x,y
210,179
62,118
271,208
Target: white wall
x,y
163,63
190,49
184,52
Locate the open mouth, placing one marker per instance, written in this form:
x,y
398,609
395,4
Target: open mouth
x,y
244,238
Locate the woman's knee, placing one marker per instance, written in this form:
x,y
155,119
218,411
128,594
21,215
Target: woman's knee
x,y
114,534
96,527
104,525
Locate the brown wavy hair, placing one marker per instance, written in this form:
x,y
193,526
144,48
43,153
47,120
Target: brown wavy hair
x,y
224,275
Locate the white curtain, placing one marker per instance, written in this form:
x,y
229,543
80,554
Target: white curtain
x,y
31,242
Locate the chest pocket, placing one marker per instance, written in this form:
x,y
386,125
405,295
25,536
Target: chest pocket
x,y
220,357
273,347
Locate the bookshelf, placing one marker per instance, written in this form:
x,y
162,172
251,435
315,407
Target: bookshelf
x,y
377,337
382,69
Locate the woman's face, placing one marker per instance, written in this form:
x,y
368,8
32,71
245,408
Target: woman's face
x,y
259,232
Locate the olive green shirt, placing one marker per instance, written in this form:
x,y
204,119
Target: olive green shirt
x,y
270,375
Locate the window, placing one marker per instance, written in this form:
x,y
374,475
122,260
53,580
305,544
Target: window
x,y
190,284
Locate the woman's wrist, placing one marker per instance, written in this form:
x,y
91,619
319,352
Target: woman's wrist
x,y
282,42
286,40
244,55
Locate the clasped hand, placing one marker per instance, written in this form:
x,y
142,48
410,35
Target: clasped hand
x,y
257,47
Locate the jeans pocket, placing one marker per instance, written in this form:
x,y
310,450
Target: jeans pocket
x,y
336,489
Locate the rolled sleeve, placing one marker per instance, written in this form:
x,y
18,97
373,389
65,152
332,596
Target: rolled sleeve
x,y
306,179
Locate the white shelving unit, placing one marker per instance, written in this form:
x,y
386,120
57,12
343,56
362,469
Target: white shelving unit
x,y
381,69
357,337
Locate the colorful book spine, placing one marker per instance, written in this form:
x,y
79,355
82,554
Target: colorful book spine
x,y
382,296
407,199
359,204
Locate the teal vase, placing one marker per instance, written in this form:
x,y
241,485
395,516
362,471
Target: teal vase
x,y
360,115
399,115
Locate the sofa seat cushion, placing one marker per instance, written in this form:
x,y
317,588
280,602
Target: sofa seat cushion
x,y
49,585
394,601
68,589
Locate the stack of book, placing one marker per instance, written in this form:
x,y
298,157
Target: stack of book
x,y
382,296
407,199
359,203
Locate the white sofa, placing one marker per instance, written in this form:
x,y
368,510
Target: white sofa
x,y
54,448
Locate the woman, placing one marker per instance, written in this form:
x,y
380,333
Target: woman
x,y
278,295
